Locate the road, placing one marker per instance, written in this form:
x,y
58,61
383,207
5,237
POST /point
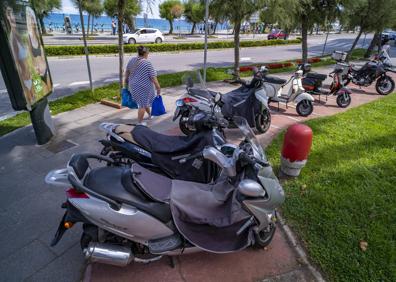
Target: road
x,y
70,74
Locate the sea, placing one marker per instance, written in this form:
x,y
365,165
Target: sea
x,y
56,20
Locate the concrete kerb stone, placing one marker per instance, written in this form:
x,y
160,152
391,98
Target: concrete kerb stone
x,y
299,249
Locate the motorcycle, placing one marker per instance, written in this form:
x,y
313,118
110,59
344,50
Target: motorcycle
x,y
248,101
127,144
135,215
374,70
312,83
274,89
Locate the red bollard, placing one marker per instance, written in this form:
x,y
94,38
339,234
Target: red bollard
x,y
296,147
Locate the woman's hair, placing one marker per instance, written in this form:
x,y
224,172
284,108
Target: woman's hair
x,y
142,50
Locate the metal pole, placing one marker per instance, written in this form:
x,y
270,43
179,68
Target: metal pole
x,y
206,38
85,46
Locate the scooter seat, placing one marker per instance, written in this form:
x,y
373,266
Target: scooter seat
x,y
317,76
124,131
274,79
117,183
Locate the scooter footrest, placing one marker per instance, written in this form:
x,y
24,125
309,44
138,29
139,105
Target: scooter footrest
x,y
166,244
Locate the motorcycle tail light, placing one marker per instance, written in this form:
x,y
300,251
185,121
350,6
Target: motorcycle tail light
x,y
73,193
188,100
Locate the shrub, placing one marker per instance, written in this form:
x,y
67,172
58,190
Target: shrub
x,y
163,47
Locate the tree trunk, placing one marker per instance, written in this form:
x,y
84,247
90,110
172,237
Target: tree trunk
x,y
304,38
121,5
354,43
43,30
264,27
373,42
193,28
89,20
237,30
92,25
171,27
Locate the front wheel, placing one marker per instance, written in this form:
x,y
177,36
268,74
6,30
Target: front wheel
x,y
263,121
304,108
158,40
264,237
131,41
385,85
183,124
344,100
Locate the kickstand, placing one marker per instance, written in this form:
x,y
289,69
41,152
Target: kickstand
x,y
172,261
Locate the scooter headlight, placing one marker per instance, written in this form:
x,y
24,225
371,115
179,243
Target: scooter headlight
x,y
179,103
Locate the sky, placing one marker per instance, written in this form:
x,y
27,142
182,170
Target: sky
x,y
68,8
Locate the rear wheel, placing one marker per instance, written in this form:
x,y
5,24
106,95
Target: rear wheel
x,y
158,40
304,108
183,124
263,121
385,85
90,234
343,100
131,41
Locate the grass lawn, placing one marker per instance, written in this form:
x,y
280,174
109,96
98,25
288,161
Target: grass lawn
x,y
347,193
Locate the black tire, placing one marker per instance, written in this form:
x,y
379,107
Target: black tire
x,y
386,81
263,121
90,234
182,125
158,40
304,108
263,239
131,41
344,100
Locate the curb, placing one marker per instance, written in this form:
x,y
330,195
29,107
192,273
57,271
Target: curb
x,y
295,244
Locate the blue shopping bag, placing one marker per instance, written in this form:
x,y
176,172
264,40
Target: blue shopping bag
x,y
127,100
158,107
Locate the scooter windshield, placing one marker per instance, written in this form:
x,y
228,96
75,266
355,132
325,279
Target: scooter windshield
x,y
244,127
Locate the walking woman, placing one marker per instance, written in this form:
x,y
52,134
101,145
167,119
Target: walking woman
x,y
141,79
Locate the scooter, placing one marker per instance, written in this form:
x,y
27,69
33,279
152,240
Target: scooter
x,y
127,144
274,89
248,101
374,70
135,215
313,84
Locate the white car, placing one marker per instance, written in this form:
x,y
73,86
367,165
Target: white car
x,y
144,35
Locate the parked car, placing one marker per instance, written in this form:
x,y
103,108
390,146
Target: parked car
x,y
144,35
388,34
277,34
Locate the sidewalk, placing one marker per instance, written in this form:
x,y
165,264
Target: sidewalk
x,y
30,210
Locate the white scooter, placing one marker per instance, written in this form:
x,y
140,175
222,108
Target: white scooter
x,y
275,91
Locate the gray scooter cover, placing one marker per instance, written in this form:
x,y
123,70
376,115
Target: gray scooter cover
x,y
209,215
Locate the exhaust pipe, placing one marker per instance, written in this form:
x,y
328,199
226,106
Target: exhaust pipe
x,y
108,254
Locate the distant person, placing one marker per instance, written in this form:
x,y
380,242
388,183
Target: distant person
x,y
113,27
141,78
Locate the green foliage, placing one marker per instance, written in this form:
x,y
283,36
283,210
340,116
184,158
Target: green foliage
x,y
170,10
131,8
194,12
112,49
43,8
346,194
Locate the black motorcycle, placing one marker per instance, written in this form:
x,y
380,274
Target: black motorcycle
x,y
375,70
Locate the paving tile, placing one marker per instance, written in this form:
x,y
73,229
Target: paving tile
x,y
66,268
25,262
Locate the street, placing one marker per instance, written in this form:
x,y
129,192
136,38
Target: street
x,y
70,74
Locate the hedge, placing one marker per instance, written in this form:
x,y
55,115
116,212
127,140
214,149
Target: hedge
x,y
113,49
